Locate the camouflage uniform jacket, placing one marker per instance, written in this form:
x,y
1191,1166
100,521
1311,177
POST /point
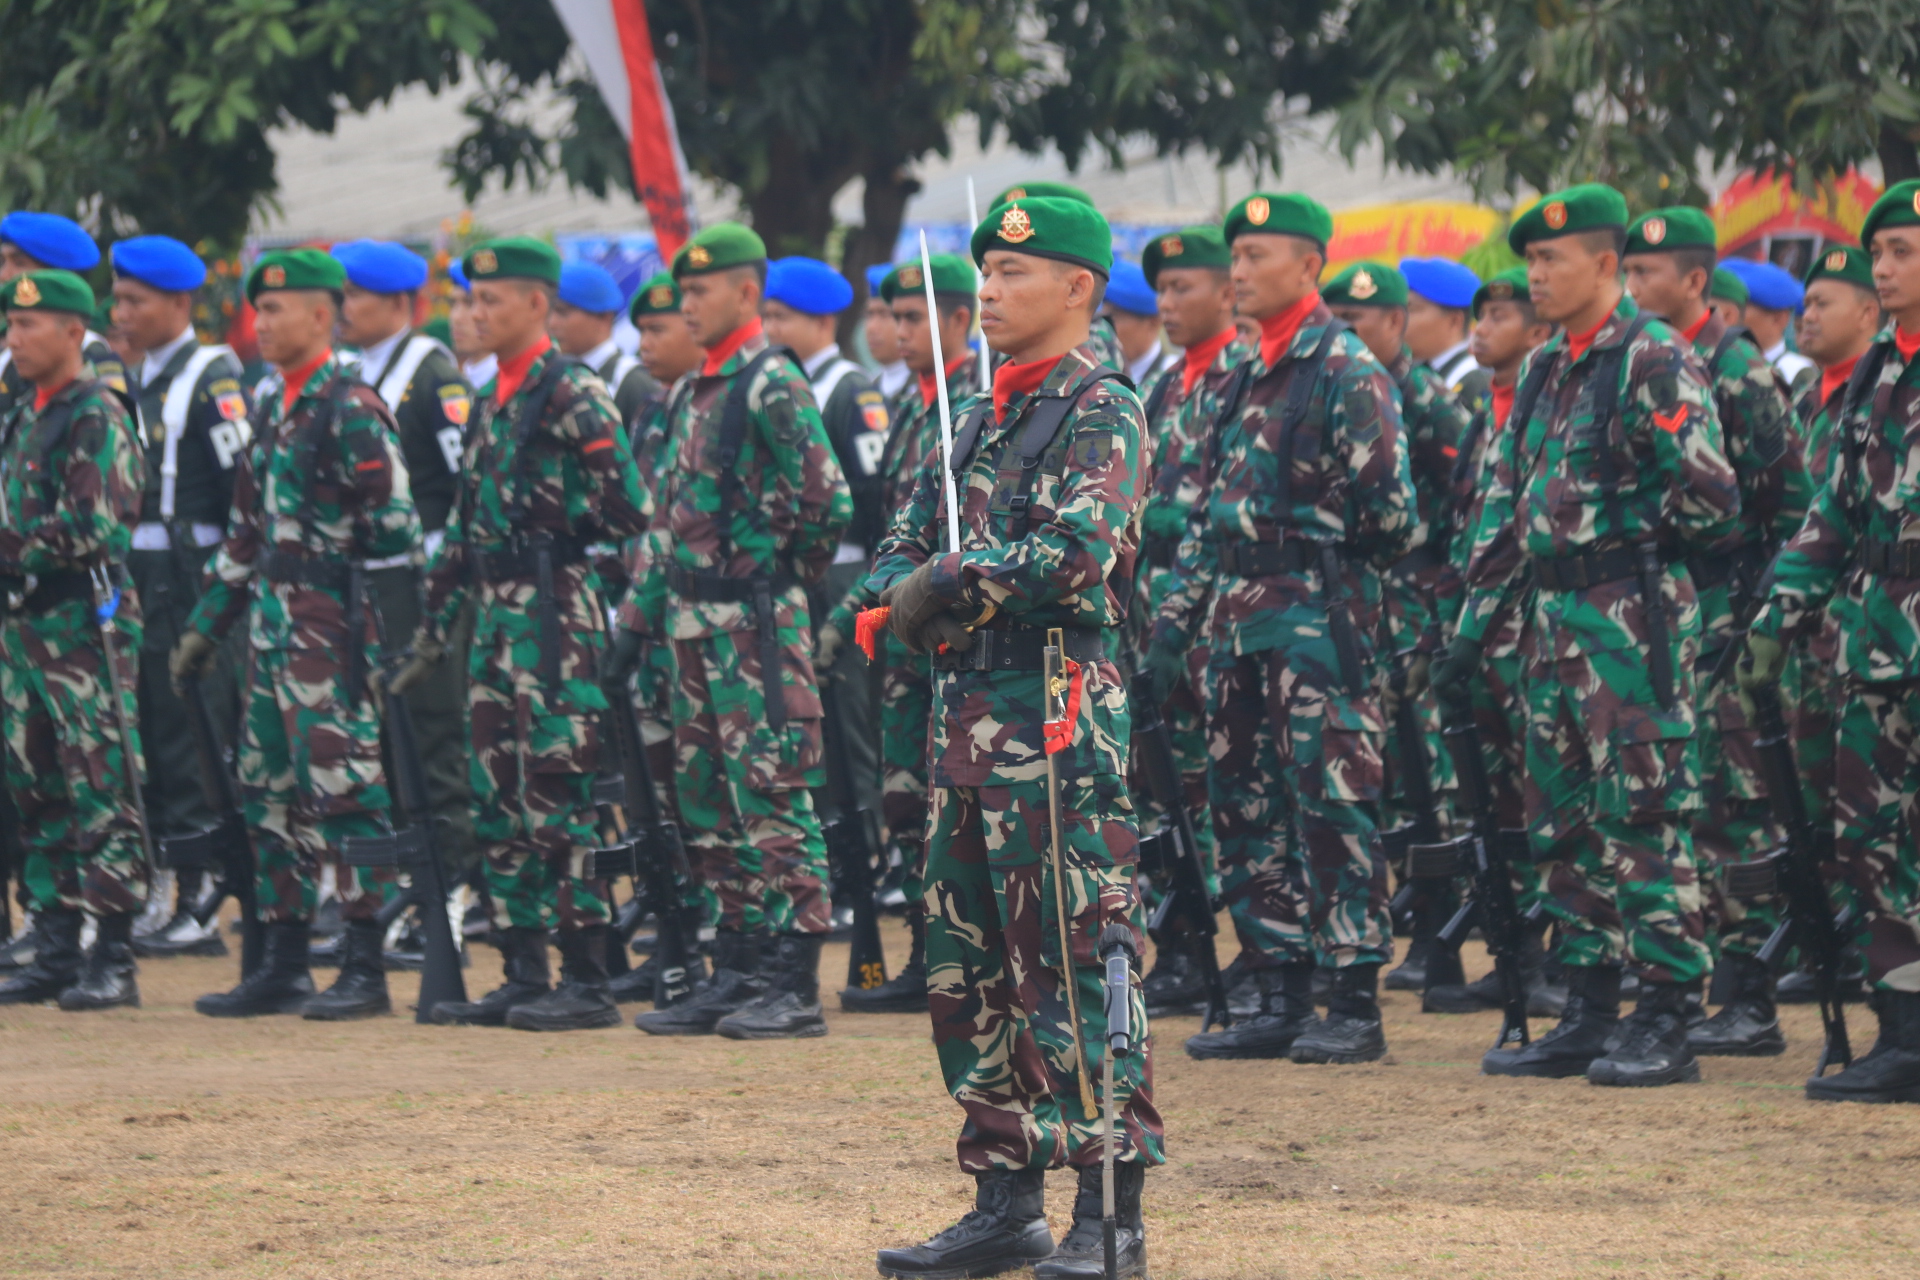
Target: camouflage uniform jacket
x,y
1815,418
1434,423
795,496
1871,493
1472,479
1070,568
1549,497
646,439
69,495
913,436
323,482
1349,483
1756,424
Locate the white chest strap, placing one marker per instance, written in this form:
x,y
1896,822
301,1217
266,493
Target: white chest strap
x,y
173,417
829,380
622,366
393,387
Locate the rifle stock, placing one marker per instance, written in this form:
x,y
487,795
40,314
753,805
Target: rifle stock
x,y
855,853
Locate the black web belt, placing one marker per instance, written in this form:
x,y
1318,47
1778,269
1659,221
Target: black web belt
x,y
1577,573
293,569
521,559
1267,559
1421,558
1159,549
1021,649
1892,559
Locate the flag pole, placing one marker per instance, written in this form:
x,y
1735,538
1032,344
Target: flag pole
x,y
986,356
946,410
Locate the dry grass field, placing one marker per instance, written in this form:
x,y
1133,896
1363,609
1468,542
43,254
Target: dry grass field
x,y
157,1144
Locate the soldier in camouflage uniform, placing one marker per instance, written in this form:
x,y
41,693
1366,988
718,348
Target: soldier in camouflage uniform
x,y
69,489
192,411
1046,469
1188,271
1669,265
47,241
1419,589
1854,557
546,473
1280,572
322,490
906,678
1611,468
751,506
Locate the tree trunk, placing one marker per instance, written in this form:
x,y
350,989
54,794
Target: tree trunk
x,y
793,210
1899,155
889,187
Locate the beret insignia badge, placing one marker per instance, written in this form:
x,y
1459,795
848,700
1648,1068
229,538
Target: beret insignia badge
x,y
1555,215
485,262
1654,231
26,293
1363,285
1015,226
1258,211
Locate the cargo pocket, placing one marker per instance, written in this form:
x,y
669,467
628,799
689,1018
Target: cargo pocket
x,y
1652,769
790,757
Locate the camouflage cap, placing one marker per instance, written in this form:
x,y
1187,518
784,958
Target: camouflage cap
x,y
1047,227
49,290
951,274
1728,287
1366,284
1664,230
1591,206
1508,286
659,296
1843,262
295,269
1040,191
512,258
1899,207
1292,214
721,247
1199,246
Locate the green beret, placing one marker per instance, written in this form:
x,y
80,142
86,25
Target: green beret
x,y
659,296
1507,286
720,247
1046,227
295,269
1039,191
1843,262
1366,284
1591,206
1283,215
1201,246
1728,287
951,274
1899,207
49,290
513,258
1664,230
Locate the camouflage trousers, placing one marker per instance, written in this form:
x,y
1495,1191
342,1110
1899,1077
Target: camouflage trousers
x,y
996,995
1612,783
743,789
1876,817
1410,621
1500,714
906,718
536,749
653,699
68,762
310,777
1814,693
1295,791
1185,715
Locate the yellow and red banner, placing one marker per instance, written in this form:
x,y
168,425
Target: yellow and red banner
x,y
1417,229
1756,205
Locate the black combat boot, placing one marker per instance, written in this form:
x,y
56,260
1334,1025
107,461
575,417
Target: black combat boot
x,y
1592,1014
1174,985
1351,1031
582,1001
1429,962
790,1008
1653,1042
1747,1025
183,934
1800,986
282,983
637,985
1890,1071
1284,1013
361,989
1082,1254
17,953
905,991
107,981
523,955
1005,1230
1243,983
56,958
735,983
1544,999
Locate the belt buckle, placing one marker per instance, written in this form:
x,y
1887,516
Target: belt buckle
x,y
980,656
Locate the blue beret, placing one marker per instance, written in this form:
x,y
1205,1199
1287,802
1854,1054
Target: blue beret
x,y
1768,286
808,285
1127,289
875,274
51,240
1441,281
160,261
458,274
590,288
381,266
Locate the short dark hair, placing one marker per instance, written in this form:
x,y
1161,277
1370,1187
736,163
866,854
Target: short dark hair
x,y
1695,257
758,267
1604,240
947,301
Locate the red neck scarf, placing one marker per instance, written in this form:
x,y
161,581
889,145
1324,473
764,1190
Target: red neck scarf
x,y
43,396
1909,343
297,380
1692,332
513,370
722,352
1011,380
1277,330
1199,358
1503,401
1577,343
1834,377
930,387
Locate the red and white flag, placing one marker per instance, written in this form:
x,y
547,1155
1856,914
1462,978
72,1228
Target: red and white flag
x,y
613,37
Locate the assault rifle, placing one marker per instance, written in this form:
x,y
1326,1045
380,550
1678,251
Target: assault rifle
x,y
1794,871
224,850
856,855
651,854
1425,880
1186,911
